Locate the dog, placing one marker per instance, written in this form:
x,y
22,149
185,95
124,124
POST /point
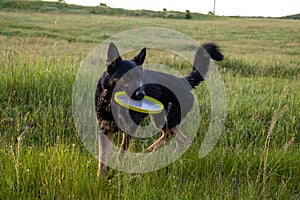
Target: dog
x,y
168,122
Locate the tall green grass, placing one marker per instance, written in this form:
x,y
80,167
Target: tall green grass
x,y
42,157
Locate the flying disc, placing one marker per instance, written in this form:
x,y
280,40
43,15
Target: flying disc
x,y
146,105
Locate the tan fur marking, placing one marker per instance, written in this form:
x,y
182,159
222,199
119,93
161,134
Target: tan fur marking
x,y
166,136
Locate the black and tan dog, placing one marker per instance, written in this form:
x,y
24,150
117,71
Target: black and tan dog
x,y
169,121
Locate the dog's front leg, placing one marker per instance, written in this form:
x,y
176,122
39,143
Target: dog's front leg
x,y
126,141
105,145
166,136
124,146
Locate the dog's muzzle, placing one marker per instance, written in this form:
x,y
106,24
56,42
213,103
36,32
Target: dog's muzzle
x,y
138,94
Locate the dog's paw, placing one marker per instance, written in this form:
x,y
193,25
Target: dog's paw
x,y
152,148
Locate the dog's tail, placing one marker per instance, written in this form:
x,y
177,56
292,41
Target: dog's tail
x,y
202,61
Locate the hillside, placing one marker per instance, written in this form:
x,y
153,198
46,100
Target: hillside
x,y
296,16
44,6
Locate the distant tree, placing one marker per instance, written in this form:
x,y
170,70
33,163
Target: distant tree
x,y
61,1
188,14
165,10
211,13
103,5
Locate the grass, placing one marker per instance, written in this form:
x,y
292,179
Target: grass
x,y
42,157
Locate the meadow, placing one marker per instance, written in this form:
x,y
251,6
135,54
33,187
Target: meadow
x,y
42,157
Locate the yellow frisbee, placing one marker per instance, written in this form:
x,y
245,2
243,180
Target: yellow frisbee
x,y
146,105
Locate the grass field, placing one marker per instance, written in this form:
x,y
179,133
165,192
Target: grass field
x,y
42,157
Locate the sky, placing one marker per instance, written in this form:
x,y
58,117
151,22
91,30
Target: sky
x,y
266,8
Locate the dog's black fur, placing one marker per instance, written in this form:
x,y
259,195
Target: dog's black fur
x,y
175,112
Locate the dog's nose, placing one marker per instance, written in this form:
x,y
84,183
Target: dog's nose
x,y
139,94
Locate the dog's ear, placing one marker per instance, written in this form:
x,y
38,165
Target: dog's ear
x,y
113,56
140,58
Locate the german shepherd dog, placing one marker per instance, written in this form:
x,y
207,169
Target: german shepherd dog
x,y
174,112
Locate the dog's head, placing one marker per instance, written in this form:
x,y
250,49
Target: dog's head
x,y
117,68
